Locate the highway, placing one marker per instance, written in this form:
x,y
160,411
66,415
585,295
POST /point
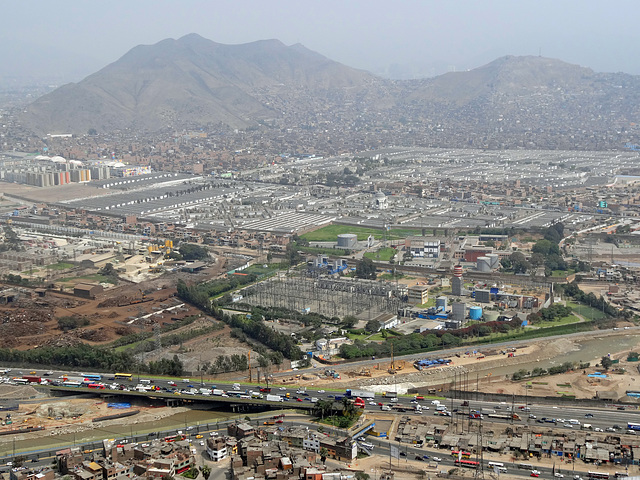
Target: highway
x,y
533,414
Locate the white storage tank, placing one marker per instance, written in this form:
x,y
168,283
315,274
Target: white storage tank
x,y
494,260
483,264
347,240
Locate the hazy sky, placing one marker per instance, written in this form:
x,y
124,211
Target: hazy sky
x,y
71,39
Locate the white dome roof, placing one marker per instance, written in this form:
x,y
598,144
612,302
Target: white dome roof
x,y
58,159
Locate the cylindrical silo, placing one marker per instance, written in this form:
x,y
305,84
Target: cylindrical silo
x,y
491,316
475,313
347,240
483,264
494,260
441,303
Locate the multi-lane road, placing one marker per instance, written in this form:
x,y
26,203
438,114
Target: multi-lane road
x,y
532,414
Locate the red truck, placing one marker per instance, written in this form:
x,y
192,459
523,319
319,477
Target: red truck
x,y
32,378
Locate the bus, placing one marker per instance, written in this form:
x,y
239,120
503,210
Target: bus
x,y
92,377
463,454
467,463
98,386
525,466
175,438
20,381
598,475
70,383
633,426
123,376
499,466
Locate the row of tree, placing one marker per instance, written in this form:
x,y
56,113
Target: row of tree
x,y
254,328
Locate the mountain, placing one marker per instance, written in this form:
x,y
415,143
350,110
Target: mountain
x,y
190,81
512,102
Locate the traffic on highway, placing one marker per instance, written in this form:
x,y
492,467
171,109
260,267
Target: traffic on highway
x,y
605,419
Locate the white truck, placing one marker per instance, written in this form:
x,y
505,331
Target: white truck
x,y
218,392
236,386
274,398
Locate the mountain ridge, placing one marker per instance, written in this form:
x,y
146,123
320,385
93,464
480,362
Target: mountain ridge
x,y
193,81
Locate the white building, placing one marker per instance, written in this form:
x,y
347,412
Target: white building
x,y
216,449
312,442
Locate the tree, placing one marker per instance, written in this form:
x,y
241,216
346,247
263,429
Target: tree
x,y
324,453
323,408
349,321
192,252
348,408
372,326
366,269
606,362
519,263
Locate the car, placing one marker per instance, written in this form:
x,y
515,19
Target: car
x,y
419,458
621,408
414,401
609,429
198,436
190,427
279,421
567,425
320,391
534,474
588,415
373,403
202,443
173,384
531,415
403,454
282,389
33,372
598,429
437,459
298,399
558,475
616,427
331,396
380,404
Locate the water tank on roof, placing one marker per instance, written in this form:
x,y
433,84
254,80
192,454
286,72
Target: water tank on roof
x,y
475,313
